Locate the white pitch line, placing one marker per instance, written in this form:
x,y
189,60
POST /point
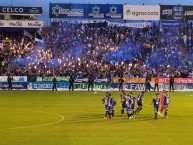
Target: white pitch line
x,y
31,126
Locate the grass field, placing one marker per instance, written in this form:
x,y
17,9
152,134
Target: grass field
x,y
76,118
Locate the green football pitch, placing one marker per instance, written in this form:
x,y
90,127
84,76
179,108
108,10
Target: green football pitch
x,y
76,118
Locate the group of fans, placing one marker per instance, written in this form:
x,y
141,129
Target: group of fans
x,y
101,49
128,101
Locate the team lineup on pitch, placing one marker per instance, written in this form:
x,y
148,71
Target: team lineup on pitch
x,y
128,102
62,117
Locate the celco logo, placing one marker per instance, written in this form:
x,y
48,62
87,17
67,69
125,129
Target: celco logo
x,y
12,10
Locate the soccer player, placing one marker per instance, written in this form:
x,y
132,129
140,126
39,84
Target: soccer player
x,y
129,104
166,103
162,103
140,102
105,100
133,105
110,107
113,105
123,101
156,102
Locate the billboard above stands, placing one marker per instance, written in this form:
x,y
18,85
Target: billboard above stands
x,y
65,10
21,10
172,12
137,12
21,24
107,11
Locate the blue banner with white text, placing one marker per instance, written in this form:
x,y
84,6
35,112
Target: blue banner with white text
x,y
67,10
15,85
105,11
46,85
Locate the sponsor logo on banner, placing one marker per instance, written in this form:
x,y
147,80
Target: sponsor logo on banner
x,y
115,12
21,23
102,11
15,24
34,11
46,85
172,12
174,23
130,80
15,85
141,12
96,85
161,80
21,10
81,79
67,10
167,12
133,25
96,12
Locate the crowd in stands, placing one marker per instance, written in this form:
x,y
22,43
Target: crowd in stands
x,y
101,49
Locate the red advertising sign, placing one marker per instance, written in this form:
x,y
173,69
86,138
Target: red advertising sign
x,y
161,80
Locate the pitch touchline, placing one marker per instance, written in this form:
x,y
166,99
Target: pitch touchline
x,y
46,124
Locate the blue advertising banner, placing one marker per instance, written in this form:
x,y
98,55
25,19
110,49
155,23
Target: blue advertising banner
x,y
101,11
15,85
46,85
67,10
21,10
170,23
176,12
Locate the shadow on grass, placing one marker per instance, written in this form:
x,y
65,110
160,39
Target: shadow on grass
x,y
94,118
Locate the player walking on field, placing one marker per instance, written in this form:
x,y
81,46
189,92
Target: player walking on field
x,y
104,100
129,104
133,105
140,102
166,103
162,103
123,101
156,102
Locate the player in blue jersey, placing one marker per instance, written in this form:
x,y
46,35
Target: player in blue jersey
x,y
129,103
156,102
140,102
113,105
123,101
104,100
110,107
166,103
133,105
